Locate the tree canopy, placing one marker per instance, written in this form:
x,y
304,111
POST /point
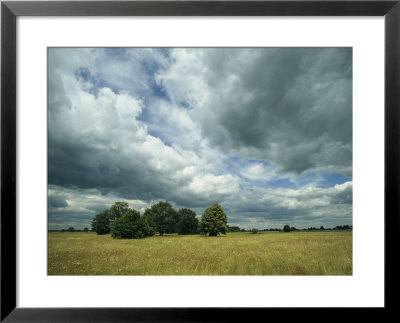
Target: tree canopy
x,y
187,222
162,216
130,225
101,222
118,209
233,228
214,221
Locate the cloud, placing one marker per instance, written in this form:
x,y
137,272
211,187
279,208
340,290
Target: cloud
x,y
290,106
80,206
259,171
258,130
309,206
97,141
57,201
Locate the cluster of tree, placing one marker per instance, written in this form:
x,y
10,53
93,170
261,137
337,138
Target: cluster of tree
x,y
165,219
123,222
234,228
313,228
130,225
287,228
343,227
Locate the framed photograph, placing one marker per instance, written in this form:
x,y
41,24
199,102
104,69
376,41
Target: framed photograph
x,y
197,160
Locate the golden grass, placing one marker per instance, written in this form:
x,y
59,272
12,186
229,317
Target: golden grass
x,y
269,253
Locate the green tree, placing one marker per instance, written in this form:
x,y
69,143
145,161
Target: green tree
x,y
118,209
233,228
187,222
286,228
131,226
254,231
101,222
214,221
172,221
85,229
292,229
71,229
162,217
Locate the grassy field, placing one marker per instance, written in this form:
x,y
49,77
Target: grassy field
x,y
269,253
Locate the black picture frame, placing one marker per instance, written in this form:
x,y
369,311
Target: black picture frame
x,y
10,10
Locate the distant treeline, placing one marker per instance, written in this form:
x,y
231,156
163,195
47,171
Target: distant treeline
x,y
288,228
71,229
190,225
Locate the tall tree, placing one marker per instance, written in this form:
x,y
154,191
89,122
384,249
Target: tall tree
x,y
101,222
162,216
214,221
187,223
118,209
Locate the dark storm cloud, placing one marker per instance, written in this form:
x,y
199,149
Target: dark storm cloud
x,y
78,165
63,220
57,201
82,206
291,106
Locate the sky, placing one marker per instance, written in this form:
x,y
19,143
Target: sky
x,y
264,132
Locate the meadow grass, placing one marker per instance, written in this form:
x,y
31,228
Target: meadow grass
x,y
266,253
